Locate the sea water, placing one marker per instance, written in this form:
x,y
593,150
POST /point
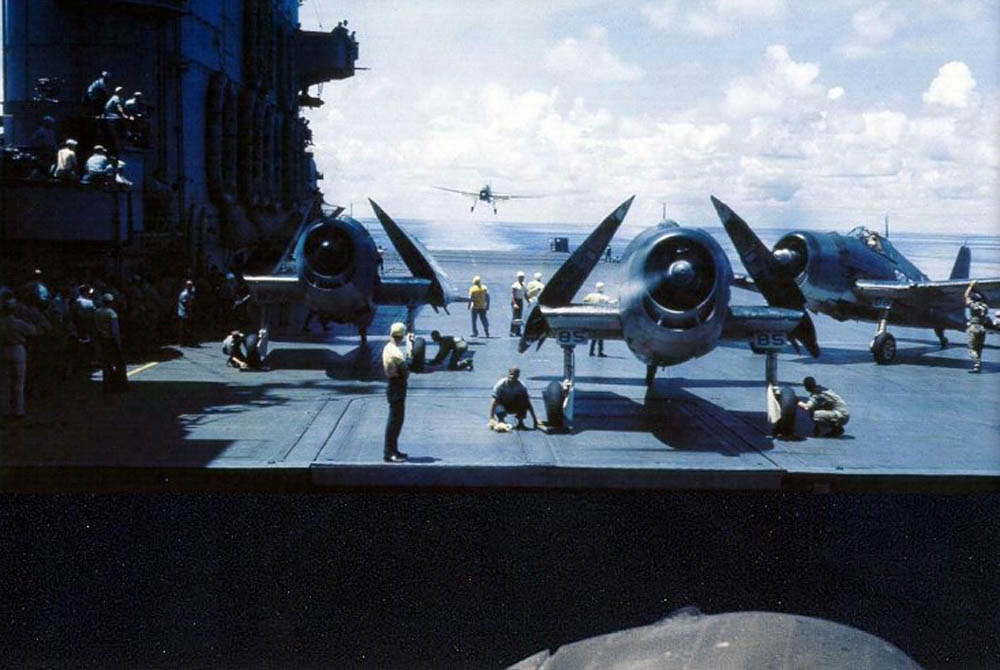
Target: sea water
x,y
932,253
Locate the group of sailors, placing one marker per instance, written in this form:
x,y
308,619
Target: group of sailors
x,y
54,332
111,105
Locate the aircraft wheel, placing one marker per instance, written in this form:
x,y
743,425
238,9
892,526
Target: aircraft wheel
x,y
785,425
884,348
419,354
552,397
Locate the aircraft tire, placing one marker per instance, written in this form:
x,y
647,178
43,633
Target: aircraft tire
x,y
419,354
884,348
789,403
552,397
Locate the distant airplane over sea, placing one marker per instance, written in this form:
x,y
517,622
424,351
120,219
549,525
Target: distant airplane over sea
x,y
485,194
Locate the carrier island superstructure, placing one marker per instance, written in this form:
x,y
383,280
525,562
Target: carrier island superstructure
x,y
223,170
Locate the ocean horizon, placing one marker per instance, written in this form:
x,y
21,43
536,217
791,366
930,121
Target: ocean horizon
x,y
934,253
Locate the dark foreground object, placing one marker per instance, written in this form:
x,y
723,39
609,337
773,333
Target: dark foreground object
x,y
479,578
690,640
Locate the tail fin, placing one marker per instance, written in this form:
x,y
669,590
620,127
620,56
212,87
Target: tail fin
x,y
778,289
960,270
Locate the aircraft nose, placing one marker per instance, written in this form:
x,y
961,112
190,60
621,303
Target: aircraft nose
x,y
680,273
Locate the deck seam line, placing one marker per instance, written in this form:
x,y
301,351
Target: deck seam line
x,y
304,431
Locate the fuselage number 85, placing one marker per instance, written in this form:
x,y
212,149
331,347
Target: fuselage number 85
x,y
578,336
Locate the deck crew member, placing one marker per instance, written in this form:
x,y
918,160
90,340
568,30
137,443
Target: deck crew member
x,y
13,335
109,346
394,362
479,304
976,326
456,346
829,411
598,298
66,168
510,396
534,289
185,313
98,168
99,91
518,291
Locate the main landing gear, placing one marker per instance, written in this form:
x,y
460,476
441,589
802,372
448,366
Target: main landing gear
x,y
883,345
781,401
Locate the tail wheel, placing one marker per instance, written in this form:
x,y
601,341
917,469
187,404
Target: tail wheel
x,y
553,399
884,348
419,354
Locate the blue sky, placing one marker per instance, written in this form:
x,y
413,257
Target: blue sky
x,y
822,116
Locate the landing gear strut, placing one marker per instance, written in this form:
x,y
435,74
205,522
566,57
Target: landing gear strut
x,y
883,345
558,397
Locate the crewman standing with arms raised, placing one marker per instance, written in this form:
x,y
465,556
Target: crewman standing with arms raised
x,y
976,326
397,371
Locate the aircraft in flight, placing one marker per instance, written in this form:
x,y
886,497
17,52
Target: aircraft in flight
x,y
673,306
485,194
331,265
859,276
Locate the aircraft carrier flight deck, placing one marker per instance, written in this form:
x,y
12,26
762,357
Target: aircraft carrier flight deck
x,y
316,418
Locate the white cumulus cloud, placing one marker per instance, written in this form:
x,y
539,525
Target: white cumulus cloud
x,y
713,18
590,58
952,87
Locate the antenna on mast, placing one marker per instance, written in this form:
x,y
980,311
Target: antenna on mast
x,y
886,226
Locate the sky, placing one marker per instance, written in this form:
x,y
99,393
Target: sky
x,y
819,115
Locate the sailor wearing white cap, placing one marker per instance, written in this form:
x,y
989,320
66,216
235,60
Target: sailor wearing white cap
x,y
598,298
534,288
518,291
394,362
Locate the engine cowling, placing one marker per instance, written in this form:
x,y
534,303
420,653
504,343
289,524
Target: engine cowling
x,y
676,295
338,263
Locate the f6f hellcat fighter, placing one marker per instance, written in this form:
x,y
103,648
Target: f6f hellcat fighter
x,y
858,276
331,265
673,305
485,194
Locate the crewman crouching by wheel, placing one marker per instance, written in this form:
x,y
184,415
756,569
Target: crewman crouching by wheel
x,y
829,411
449,344
510,396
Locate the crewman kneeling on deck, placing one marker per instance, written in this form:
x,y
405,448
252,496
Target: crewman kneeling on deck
x,y
829,411
456,346
510,396
242,350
